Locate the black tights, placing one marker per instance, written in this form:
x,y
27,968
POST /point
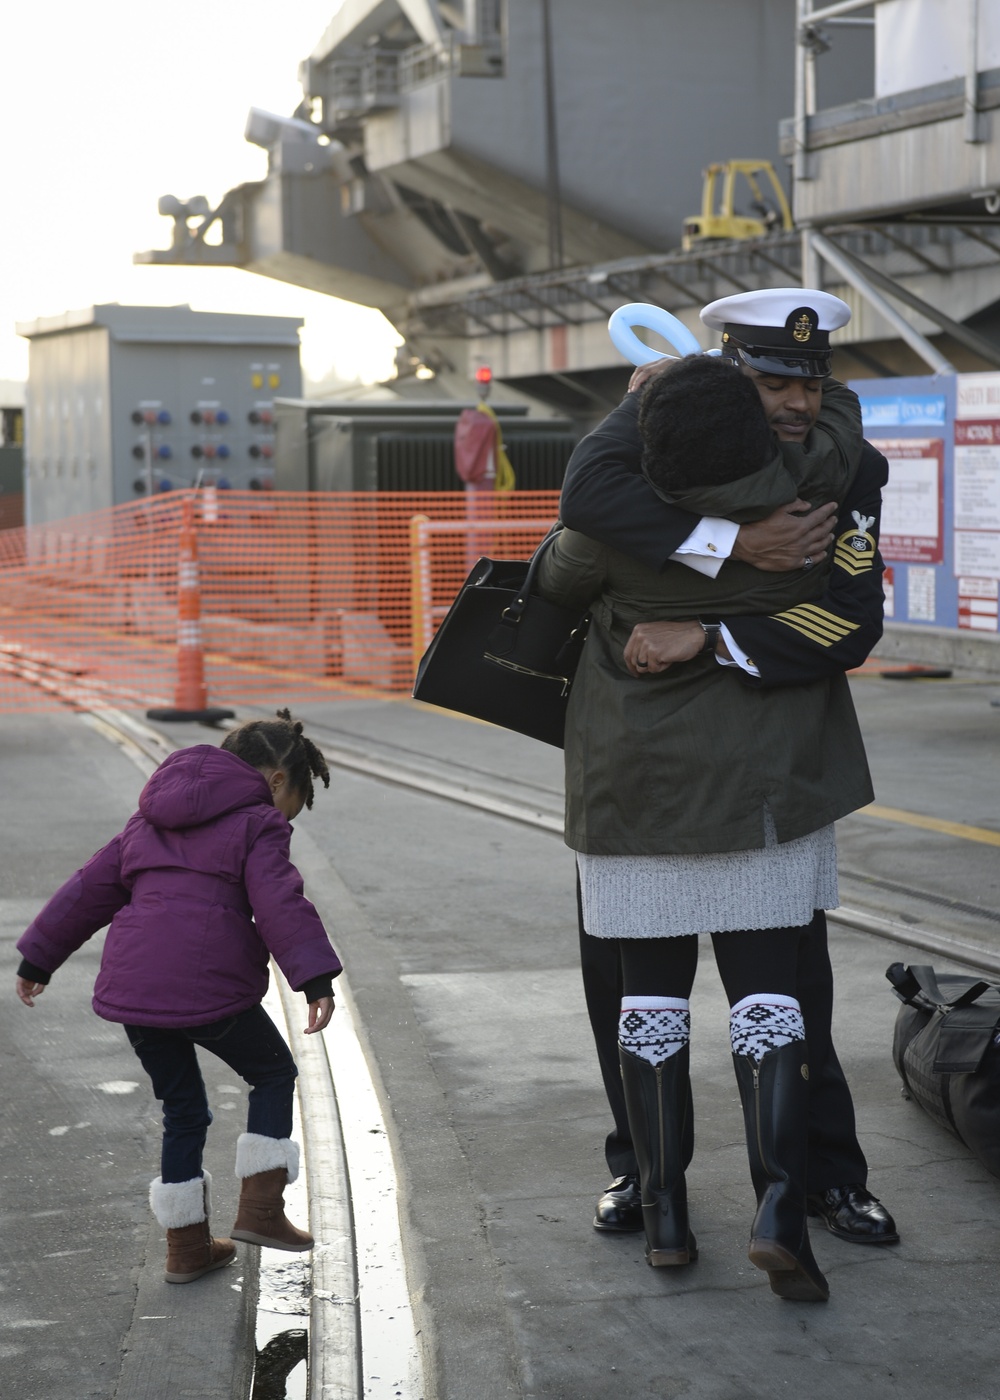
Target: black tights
x,y
749,961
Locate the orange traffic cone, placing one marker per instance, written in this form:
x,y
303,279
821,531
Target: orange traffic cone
x,y
191,694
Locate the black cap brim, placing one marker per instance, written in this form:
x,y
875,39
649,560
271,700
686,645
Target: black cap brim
x,y
799,366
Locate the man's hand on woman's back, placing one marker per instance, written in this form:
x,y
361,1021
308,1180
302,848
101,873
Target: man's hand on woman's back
x,y
787,538
655,646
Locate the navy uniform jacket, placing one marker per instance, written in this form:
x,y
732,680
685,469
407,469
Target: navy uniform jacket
x,y
606,496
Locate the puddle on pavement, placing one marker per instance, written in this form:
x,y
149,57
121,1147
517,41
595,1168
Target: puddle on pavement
x,y
280,1366
282,1333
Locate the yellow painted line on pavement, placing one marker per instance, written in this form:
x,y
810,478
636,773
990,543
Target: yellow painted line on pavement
x,y
982,834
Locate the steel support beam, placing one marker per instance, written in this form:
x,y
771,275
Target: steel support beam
x,y
973,126
845,7
851,273
985,349
810,260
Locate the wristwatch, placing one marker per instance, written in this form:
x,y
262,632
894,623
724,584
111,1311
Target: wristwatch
x,y
712,631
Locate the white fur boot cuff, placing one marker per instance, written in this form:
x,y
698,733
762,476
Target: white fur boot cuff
x,y
256,1153
179,1203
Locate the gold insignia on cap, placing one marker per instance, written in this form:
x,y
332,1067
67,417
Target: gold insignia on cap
x,y
803,329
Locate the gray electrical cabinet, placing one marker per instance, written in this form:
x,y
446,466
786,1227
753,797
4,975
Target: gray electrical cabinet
x,y
124,400
405,446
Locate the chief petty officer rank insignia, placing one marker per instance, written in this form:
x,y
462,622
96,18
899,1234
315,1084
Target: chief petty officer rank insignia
x,y
802,323
855,549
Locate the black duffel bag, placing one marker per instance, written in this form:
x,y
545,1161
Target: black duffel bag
x,y
504,654
945,1047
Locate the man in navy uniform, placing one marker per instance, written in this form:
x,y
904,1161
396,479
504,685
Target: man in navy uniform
x,y
780,337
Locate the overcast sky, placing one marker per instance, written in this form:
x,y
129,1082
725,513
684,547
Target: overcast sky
x,y
106,106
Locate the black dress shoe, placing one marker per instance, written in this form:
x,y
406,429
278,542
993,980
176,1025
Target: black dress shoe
x,y
620,1208
852,1213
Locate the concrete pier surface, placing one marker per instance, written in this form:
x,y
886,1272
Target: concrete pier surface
x,y
457,929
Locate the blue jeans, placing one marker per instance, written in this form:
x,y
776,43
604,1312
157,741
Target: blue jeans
x,y
251,1045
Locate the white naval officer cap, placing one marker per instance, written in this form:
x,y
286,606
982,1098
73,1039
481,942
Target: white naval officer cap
x,y
779,330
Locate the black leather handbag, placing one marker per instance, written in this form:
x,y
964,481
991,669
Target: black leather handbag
x,y
504,654
945,1049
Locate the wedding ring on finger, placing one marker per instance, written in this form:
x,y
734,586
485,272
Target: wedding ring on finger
x,y
642,665
808,562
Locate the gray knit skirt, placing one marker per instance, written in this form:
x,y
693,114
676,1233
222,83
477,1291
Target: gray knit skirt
x,y
778,886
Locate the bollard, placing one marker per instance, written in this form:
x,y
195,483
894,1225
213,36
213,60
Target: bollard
x,y
191,694
421,597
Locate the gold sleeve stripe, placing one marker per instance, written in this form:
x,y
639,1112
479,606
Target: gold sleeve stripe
x,y
817,624
842,624
855,552
853,563
824,639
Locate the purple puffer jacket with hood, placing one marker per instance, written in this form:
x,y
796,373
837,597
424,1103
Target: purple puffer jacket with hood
x,y
198,889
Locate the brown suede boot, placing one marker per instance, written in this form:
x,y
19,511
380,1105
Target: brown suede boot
x,y
191,1252
261,1216
265,1166
183,1209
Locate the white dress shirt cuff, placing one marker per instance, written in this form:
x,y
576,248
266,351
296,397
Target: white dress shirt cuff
x,y
708,546
739,656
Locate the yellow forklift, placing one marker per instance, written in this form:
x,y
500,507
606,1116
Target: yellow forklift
x,y
715,223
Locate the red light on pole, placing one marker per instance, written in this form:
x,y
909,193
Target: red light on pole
x,y
484,375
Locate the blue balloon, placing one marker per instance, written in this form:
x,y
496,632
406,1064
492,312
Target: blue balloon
x,y
652,318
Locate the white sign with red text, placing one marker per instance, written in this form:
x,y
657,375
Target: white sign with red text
x,y
978,603
977,477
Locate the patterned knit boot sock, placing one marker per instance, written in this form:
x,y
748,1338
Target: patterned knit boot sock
x,y
654,1028
763,1022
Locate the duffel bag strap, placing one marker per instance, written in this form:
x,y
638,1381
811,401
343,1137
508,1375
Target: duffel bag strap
x,y
917,985
971,994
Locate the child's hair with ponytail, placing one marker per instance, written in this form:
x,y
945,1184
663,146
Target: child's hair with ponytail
x,y
280,743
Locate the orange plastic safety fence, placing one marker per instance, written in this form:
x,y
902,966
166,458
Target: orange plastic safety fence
x,y
303,596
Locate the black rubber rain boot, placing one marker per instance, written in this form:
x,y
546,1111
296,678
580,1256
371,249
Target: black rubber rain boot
x,y
658,1099
774,1092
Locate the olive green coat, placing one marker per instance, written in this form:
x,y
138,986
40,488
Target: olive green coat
x,y
820,470
685,761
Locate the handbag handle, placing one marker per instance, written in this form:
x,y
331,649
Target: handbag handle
x,y
514,610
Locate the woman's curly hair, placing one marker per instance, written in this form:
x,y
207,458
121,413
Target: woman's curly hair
x,y
280,743
702,424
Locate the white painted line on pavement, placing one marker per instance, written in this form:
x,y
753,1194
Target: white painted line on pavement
x,y
390,1351
342,1117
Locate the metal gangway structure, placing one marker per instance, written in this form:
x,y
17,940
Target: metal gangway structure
x,y
497,178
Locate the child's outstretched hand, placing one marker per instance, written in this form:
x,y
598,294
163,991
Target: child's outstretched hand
x,y
320,1013
27,991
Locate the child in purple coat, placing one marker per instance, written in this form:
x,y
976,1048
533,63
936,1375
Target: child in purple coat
x,y
199,892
